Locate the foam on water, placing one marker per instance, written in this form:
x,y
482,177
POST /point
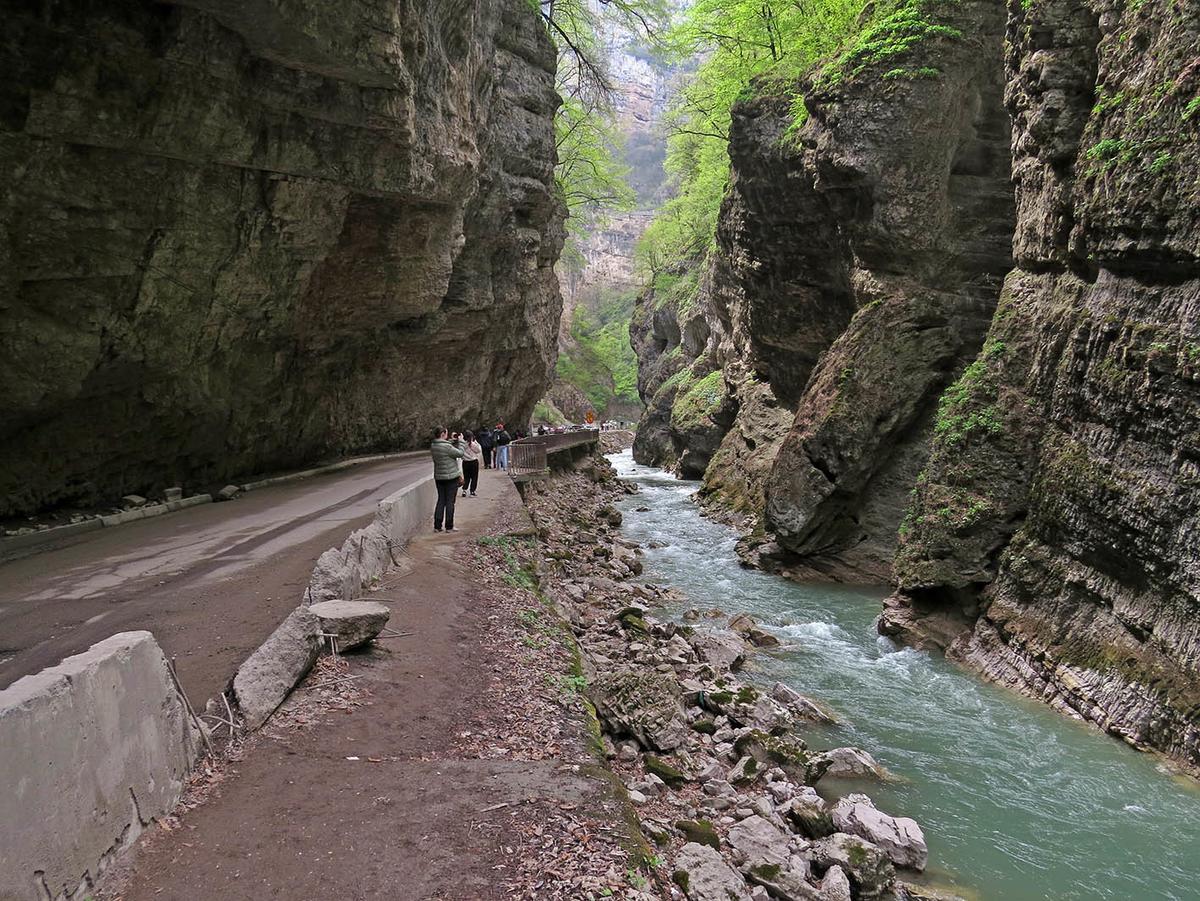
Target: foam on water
x,y
1018,802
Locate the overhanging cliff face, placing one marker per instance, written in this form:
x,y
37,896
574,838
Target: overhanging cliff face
x,y
1052,542
242,235
860,266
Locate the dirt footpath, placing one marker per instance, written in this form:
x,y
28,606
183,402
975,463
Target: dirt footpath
x,y
458,763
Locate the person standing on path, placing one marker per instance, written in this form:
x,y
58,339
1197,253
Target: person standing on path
x,y
445,454
487,441
470,463
502,441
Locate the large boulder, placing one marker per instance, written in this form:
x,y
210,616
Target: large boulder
x,y
809,813
899,837
353,622
705,876
721,650
748,707
853,763
803,708
785,752
264,680
643,703
869,868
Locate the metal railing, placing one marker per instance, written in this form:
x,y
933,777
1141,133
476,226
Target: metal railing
x,y
528,457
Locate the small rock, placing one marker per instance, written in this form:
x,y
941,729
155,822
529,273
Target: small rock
x,y
741,623
835,886
638,798
745,772
228,493
173,494
761,638
853,763
130,501
871,872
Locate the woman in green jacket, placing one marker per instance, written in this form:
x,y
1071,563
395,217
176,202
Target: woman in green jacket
x,y
445,453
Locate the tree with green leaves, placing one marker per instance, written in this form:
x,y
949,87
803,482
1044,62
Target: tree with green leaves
x,y
740,44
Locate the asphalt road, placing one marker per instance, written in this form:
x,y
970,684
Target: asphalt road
x,y
209,582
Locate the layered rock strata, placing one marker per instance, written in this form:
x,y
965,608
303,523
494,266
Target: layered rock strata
x,y
1051,543
240,236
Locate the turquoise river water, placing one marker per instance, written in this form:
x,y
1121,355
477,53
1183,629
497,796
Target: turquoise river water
x,y
1017,802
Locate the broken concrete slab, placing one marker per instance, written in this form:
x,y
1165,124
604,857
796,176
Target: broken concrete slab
x,y
271,672
353,622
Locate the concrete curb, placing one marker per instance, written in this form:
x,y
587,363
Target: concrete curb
x,y
32,539
341,573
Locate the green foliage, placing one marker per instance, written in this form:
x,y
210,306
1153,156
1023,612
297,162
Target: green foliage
x,y
747,47
902,27
701,398
601,363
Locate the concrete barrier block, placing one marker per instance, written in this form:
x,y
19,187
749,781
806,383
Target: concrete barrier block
x,y
272,671
91,752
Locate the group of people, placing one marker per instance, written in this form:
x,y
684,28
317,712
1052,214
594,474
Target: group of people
x,y
456,457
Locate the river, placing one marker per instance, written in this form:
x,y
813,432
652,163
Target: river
x,y
1017,802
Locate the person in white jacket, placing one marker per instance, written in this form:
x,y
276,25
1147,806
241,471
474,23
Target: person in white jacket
x,y
470,463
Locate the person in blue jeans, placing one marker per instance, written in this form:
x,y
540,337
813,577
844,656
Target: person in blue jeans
x,y
446,454
502,441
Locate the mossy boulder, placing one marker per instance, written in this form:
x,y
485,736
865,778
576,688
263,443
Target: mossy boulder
x,y
674,777
702,832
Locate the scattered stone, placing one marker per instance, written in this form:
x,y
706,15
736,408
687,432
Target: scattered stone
x,y
637,798
761,638
810,814
745,772
704,876
835,886
353,622
804,709
664,771
899,837
228,493
741,623
129,501
720,649
173,494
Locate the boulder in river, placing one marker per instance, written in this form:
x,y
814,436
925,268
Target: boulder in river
x,y
853,763
899,837
869,868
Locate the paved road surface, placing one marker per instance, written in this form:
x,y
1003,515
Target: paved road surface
x,y
210,582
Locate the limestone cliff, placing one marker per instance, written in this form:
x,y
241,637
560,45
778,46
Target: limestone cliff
x,y
859,261
242,235
1052,540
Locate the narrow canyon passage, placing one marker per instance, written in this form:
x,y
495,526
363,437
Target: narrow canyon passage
x,y
1016,801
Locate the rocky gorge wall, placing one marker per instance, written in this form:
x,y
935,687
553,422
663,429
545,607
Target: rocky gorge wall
x,y
1051,542
241,236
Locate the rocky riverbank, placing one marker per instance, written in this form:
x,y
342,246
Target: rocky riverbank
x,y
717,767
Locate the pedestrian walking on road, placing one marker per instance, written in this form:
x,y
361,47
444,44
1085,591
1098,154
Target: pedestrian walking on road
x,y
488,442
503,439
470,463
446,454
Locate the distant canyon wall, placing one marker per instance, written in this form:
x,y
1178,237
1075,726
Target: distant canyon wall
x,y
239,236
956,321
